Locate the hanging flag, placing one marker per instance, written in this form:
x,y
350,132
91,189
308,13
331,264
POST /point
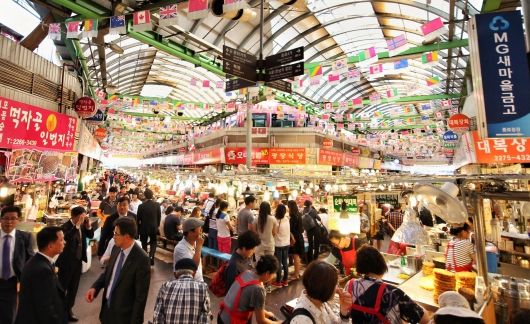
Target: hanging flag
x,y
357,102
430,57
432,29
447,103
338,118
333,78
142,21
377,114
232,5
117,25
219,84
343,104
135,102
368,56
438,115
328,106
397,45
407,109
193,82
375,98
354,74
376,71
432,81
168,15
315,71
205,83
90,28
72,29
425,119
340,66
392,93
297,84
197,9
314,81
54,31
401,64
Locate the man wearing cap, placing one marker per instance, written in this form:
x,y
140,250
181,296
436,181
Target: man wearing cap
x,y
190,247
183,300
76,232
454,308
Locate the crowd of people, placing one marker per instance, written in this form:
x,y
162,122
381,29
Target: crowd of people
x,y
133,221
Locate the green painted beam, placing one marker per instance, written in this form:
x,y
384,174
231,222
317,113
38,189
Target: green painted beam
x,y
491,5
86,10
411,51
74,45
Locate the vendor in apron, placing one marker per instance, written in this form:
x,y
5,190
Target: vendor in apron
x,y
374,301
460,252
344,248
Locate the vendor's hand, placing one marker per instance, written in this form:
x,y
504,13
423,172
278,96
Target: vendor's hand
x,y
269,314
200,241
90,295
345,300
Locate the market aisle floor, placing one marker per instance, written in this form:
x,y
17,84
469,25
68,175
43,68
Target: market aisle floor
x,y
162,272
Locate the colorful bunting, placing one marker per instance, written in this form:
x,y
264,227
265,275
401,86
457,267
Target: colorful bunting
x,y
197,9
429,57
375,98
376,70
54,31
193,82
401,64
219,84
434,80
72,29
392,93
357,103
397,45
333,78
315,71
232,5
447,103
205,83
328,106
368,56
314,81
117,25
432,29
90,28
354,74
168,15
142,21
340,66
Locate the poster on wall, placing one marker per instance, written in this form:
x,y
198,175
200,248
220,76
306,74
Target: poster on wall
x,y
28,165
27,126
351,203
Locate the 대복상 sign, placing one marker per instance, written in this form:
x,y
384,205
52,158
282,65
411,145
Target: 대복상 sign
x,y
27,126
500,74
502,150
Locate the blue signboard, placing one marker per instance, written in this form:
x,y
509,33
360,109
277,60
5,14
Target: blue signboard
x,y
504,72
450,136
98,117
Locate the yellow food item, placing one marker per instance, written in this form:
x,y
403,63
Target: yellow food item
x,y
427,283
403,276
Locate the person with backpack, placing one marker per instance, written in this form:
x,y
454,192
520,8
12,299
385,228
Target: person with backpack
x,y
373,301
309,222
247,295
320,282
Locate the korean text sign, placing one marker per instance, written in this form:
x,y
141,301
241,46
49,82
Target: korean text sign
x,y
284,155
502,150
27,126
504,74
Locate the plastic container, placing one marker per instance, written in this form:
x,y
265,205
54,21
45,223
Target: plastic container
x,y
492,257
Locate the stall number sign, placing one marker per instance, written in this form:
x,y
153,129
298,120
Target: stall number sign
x,y
504,74
27,126
387,199
351,203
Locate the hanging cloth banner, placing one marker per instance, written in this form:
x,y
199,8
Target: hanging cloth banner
x,y
168,15
90,28
197,9
142,21
54,31
232,5
117,25
72,29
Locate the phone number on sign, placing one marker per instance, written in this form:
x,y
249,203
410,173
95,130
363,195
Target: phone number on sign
x,y
21,142
510,158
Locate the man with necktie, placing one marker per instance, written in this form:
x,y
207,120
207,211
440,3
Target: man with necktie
x,y
125,281
76,231
41,299
16,248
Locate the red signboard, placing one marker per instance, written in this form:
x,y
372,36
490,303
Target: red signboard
x,y
188,159
259,131
502,150
100,133
211,156
27,126
327,142
356,150
238,155
327,157
85,107
285,155
351,160
459,123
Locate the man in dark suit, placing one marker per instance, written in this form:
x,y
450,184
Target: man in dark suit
x,y
108,227
41,299
14,255
125,281
149,216
76,231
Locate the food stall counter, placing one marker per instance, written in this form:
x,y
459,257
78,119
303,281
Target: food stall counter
x,y
422,296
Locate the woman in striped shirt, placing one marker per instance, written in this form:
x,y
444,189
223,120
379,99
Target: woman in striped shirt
x,y
460,252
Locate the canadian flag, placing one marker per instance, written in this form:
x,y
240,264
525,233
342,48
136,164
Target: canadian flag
x,y
142,20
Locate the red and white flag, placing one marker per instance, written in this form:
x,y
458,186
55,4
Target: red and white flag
x,y
376,71
197,9
72,29
205,83
219,84
433,29
333,78
54,31
142,21
168,15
